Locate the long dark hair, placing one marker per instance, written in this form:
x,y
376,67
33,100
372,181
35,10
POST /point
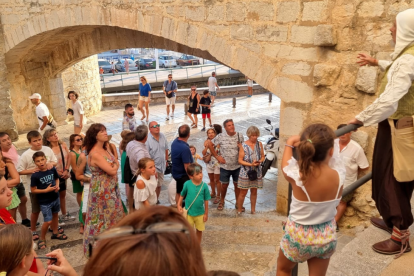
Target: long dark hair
x,y
165,253
315,142
72,140
90,137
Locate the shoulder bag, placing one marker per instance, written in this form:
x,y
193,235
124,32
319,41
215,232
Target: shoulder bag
x,y
402,137
185,211
252,173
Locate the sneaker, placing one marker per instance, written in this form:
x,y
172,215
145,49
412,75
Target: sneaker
x,y
172,115
26,222
203,129
60,222
67,217
167,118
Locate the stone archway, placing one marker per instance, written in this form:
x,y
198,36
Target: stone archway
x,y
289,47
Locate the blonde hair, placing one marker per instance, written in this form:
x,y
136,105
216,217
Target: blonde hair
x,y
252,130
143,77
142,164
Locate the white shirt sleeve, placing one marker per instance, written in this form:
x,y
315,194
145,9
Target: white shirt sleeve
x,y
42,110
383,64
49,154
22,165
361,159
80,108
399,82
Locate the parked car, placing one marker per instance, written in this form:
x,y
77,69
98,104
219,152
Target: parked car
x,y
167,61
146,63
186,60
132,65
106,66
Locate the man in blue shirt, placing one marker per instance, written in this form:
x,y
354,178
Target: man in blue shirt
x,y
170,88
181,157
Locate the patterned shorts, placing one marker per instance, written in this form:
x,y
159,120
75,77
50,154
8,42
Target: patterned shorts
x,y
303,242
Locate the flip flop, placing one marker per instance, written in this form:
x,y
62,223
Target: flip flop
x,y
217,200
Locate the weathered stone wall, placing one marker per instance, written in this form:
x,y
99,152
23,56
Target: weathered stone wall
x,y
303,51
83,77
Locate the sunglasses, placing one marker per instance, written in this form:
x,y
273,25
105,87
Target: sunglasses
x,y
170,77
155,126
156,228
78,140
193,90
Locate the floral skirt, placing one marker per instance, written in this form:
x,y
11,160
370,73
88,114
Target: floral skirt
x,y
303,242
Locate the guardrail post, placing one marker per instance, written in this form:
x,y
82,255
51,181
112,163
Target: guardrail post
x,y
201,67
234,102
270,97
187,72
122,80
155,75
185,109
103,80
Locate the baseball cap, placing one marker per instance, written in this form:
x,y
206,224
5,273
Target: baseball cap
x,y
35,96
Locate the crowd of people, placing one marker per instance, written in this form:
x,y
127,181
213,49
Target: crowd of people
x,y
168,239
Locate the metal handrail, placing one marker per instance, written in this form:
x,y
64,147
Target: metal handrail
x,y
361,181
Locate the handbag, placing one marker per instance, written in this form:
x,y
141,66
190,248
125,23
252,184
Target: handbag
x,y
168,168
252,173
185,211
402,139
207,158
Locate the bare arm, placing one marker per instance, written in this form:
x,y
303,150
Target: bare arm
x,y
288,153
241,157
45,121
14,176
186,166
103,164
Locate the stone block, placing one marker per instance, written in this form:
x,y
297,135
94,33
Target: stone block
x,y
287,11
366,80
303,34
314,11
325,36
260,11
370,9
235,12
241,32
361,137
291,90
292,121
325,75
272,33
297,68
290,52
216,13
195,13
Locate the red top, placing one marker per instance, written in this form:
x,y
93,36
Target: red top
x,y
6,218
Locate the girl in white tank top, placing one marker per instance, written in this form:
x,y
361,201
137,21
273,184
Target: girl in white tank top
x,y
144,194
317,182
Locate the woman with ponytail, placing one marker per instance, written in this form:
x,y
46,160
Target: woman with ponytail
x,y
317,179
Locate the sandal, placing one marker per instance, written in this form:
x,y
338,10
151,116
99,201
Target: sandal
x,y
41,245
61,237
60,230
194,126
243,209
34,233
217,200
213,195
220,206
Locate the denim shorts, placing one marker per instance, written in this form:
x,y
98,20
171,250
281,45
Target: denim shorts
x,y
225,175
49,209
213,93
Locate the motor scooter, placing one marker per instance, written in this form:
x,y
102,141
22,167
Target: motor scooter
x,y
271,148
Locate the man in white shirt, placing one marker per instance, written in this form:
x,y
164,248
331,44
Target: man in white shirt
x,y
26,166
395,104
212,85
42,113
78,113
354,158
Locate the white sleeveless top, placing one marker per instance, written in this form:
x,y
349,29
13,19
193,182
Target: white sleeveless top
x,y
308,212
148,193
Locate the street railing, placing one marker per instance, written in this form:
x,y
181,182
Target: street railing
x,y
352,187
162,74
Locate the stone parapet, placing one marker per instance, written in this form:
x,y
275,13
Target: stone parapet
x,y
121,99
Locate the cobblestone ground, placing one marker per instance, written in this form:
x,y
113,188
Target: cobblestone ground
x,y
247,244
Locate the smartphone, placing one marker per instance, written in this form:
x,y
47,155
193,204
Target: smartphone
x,y
47,258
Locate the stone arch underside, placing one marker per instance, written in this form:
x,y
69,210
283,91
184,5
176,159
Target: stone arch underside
x,y
270,41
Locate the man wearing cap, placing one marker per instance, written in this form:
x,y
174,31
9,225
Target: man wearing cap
x,y
42,113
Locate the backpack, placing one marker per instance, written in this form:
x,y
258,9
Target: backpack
x,y
129,177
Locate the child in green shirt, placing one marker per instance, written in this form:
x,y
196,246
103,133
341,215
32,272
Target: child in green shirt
x,y
196,195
